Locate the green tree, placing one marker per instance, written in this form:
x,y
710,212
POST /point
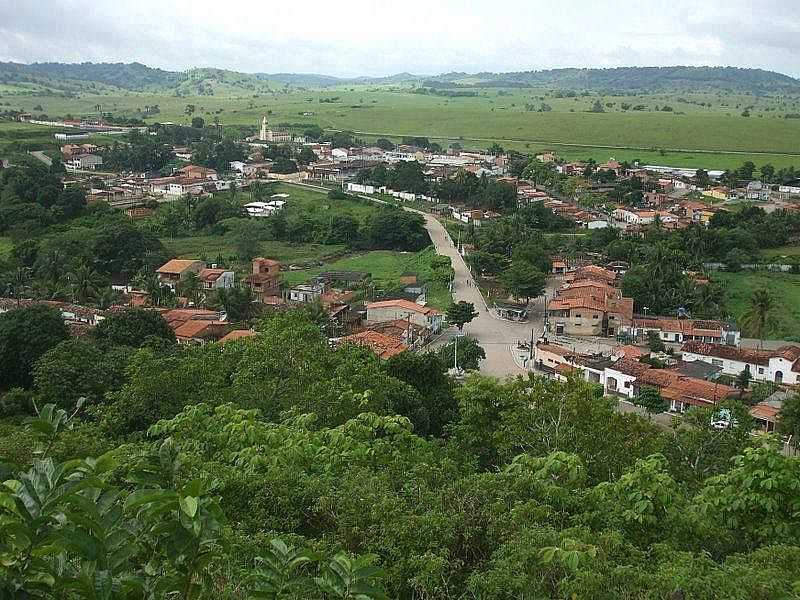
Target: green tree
x,y
133,327
470,353
460,313
757,500
759,316
789,420
654,342
79,368
523,280
743,380
237,302
306,156
649,398
25,335
198,123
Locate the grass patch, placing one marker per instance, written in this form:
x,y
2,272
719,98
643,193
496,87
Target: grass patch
x,y
785,288
385,268
210,246
6,245
776,254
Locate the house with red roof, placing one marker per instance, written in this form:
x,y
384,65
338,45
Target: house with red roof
x,y
781,365
393,310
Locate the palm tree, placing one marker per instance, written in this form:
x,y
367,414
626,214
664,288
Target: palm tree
x,y
759,317
106,297
190,288
84,283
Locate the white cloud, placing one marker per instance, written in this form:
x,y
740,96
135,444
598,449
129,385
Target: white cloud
x,y
362,37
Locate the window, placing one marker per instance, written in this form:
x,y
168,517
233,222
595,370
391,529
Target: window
x,y
760,370
594,316
627,384
578,316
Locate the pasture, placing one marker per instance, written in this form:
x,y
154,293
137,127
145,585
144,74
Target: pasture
x,y
701,129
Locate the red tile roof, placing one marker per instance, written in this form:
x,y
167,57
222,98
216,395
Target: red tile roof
x,y
385,346
199,328
756,357
405,305
237,334
177,266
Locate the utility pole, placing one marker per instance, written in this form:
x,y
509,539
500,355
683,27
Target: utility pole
x,y
530,350
455,355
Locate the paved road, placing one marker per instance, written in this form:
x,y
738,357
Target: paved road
x,y
496,336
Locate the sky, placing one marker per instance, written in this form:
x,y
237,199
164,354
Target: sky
x,y
361,37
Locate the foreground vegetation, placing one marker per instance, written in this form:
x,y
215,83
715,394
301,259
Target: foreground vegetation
x,y
378,477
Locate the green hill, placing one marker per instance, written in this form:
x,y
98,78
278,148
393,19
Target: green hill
x,y
100,77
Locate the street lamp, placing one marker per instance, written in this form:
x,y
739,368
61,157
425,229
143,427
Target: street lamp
x,y
645,308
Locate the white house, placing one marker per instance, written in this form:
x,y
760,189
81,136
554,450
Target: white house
x,y
780,366
83,162
392,310
306,292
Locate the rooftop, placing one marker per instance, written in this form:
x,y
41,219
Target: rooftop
x,y
404,305
385,346
177,266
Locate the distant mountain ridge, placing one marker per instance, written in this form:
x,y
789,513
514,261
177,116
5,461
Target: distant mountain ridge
x,y
138,77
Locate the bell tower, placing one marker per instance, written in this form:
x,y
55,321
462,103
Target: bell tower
x,y
263,135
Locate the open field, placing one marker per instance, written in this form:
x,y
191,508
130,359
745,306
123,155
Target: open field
x,y
210,246
385,268
784,287
776,254
689,135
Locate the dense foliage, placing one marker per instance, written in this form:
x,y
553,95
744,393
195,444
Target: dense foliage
x,y
375,475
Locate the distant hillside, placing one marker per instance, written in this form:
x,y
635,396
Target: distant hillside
x,y
638,78
91,77
130,76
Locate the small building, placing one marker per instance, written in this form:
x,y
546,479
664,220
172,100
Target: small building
x,y
237,334
83,162
196,172
392,310
264,280
384,346
306,292
216,279
779,366
176,269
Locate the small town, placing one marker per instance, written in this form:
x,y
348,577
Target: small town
x,y
302,326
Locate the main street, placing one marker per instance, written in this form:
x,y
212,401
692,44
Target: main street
x,y
496,336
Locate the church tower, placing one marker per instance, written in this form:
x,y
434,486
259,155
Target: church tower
x,y
263,135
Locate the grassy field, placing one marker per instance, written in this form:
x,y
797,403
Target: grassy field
x,y
784,287
501,115
776,254
385,268
210,246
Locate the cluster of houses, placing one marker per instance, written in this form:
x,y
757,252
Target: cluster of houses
x,y
387,326
588,303
688,378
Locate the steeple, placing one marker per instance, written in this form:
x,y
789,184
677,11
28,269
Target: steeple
x,y
264,125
